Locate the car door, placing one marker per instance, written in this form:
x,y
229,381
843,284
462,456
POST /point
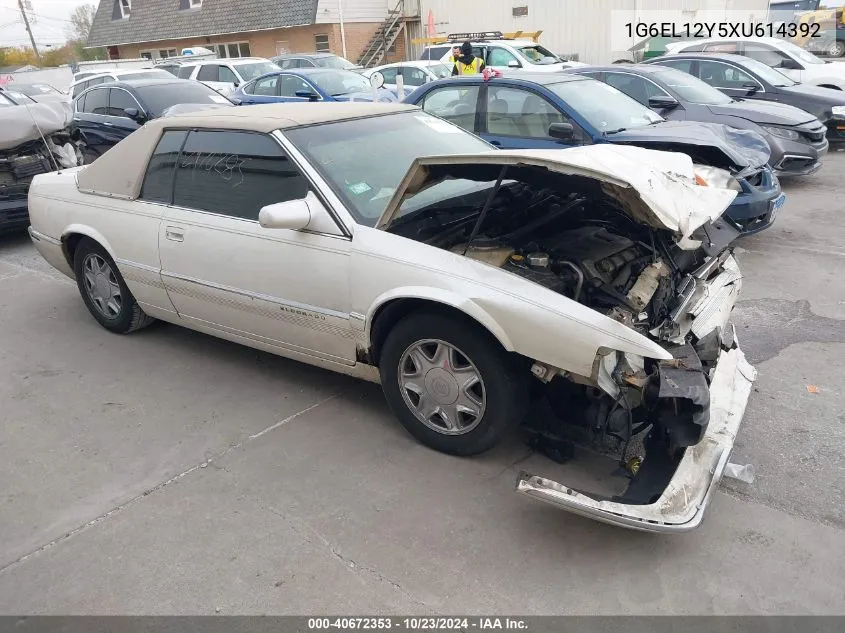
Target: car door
x,y
642,89
518,118
90,119
121,124
266,90
457,102
730,79
224,272
499,58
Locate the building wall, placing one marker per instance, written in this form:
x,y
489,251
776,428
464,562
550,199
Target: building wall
x,y
569,26
328,11
299,39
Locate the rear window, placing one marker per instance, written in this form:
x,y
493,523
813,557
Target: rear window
x,y
159,98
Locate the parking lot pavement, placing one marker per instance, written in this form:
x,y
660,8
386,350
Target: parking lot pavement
x,y
169,472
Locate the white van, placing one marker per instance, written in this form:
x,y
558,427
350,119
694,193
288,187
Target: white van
x,y
224,75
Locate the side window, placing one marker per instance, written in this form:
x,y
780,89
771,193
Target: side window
x,y
78,89
516,112
97,101
765,54
723,75
635,87
119,100
268,87
684,65
158,181
457,105
227,75
413,76
390,75
79,105
291,84
235,174
500,57
208,72
185,72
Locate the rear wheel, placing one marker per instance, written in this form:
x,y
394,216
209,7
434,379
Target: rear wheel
x,y
451,384
104,291
837,49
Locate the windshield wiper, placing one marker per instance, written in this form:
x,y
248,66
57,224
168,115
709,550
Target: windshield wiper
x,y
621,129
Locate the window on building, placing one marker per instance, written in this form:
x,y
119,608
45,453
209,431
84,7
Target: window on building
x,y
235,174
146,54
232,49
195,4
164,53
321,43
125,8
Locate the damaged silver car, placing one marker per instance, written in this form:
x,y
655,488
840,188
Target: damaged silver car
x,y
34,139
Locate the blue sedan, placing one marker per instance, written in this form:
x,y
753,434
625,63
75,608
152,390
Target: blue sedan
x,y
551,110
309,84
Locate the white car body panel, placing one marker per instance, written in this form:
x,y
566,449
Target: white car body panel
x,y
827,74
234,279
226,88
511,46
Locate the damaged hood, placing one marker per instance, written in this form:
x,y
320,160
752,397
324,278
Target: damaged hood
x,y
20,124
742,149
763,112
655,188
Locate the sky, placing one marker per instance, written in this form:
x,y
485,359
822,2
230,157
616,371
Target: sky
x,y
50,21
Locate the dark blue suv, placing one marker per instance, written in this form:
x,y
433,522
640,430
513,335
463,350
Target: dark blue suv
x,y
545,111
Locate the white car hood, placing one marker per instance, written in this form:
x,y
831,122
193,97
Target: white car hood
x,y
654,187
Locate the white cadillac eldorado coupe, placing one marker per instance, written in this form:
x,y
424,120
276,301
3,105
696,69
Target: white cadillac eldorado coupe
x,y
594,284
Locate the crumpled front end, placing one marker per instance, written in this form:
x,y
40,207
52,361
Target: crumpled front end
x,y
682,414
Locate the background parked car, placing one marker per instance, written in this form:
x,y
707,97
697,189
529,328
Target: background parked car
x,y
105,115
793,61
746,78
553,111
414,73
313,60
12,97
309,84
796,137
225,75
80,86
500,53
40,92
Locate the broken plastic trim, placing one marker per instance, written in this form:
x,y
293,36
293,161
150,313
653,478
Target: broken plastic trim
x,y
681,506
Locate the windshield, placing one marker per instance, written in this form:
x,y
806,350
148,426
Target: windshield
x,y
538,55
692,89
334,62
799,53
767,73
605,107
163,96
340,82
390,144
150,74
251,71
35,89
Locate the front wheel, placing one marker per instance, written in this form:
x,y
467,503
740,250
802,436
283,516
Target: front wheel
x,y
451,384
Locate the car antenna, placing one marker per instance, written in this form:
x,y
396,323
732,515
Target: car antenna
x,y
43,139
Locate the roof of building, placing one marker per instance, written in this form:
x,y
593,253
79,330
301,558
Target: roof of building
x,y
158,20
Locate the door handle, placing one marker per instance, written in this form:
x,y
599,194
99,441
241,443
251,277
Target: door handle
x,y
174,234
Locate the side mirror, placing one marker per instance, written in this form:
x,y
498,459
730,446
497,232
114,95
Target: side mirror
x,y
133,114
308,94
562,131
751,88
293,215
790,64
236,101
514,64
662,102
236,83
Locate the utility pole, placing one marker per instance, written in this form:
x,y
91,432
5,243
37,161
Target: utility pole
x,y
29,30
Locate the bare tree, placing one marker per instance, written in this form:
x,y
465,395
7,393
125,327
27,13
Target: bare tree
x,y
80,22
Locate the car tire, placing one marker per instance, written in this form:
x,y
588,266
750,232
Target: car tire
x,y
837,49
451,384
104,291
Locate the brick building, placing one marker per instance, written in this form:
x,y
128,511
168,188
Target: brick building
x,y
367,32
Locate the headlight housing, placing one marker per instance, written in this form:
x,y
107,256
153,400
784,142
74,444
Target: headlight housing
x,y
714,177
838,111
782,132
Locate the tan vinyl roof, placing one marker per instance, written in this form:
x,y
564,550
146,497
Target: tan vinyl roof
x,y
120,172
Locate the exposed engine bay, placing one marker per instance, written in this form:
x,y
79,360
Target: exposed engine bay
x,y
567,234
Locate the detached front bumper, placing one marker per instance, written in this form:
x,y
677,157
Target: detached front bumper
x,y
681,506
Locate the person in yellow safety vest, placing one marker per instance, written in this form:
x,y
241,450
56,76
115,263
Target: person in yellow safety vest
x,y
467,63
456,53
